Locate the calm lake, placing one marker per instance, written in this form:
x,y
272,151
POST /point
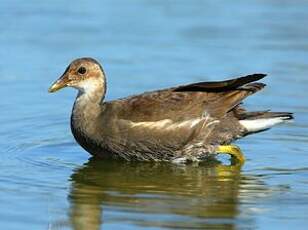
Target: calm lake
x,y
47,181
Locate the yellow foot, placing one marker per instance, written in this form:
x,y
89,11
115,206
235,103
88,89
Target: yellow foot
x,y
232,150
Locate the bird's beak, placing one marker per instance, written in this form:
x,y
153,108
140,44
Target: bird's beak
x,y
59,84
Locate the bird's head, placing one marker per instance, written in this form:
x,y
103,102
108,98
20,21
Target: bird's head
x,y
84,74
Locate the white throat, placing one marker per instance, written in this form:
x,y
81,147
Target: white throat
x,y
88,86
90,90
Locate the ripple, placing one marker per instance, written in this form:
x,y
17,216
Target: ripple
x,y
290,170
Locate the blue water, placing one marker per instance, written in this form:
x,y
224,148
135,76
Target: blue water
x,y
48,182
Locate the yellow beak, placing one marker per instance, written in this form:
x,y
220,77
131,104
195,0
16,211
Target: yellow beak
x,y
59,84
56,86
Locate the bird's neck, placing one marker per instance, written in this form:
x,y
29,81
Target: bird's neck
x,y
87,108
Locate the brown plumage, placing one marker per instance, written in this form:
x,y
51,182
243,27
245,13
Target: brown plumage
x,y
184,122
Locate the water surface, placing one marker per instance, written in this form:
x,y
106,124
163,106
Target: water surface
x,y
48,182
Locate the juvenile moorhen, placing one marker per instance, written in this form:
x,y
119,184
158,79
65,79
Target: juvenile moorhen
x,y
180,124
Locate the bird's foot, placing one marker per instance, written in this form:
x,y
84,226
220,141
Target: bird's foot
x,y
235,152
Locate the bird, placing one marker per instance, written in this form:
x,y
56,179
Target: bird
x,y
181,124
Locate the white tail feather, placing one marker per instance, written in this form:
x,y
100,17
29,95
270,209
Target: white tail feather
x,y
261,124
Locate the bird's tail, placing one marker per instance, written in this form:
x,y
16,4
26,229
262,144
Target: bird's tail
x,y
259,121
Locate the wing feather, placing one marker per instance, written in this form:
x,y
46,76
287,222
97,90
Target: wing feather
x,y
186,102
220,86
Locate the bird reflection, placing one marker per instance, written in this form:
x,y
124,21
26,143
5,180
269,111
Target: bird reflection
x,y
155,195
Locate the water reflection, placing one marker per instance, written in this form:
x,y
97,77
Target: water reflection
x,y
142,193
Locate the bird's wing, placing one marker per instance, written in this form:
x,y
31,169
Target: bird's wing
x,y
219,86
162,137
187,102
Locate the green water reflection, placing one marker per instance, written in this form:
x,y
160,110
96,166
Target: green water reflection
x,y
142,193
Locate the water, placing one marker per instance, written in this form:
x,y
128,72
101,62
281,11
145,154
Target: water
x,y
48,182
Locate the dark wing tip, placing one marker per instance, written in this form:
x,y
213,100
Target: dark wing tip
x,y
218,86
256,76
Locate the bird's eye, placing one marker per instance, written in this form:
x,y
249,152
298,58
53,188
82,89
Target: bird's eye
x,y
82,70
